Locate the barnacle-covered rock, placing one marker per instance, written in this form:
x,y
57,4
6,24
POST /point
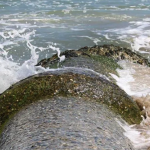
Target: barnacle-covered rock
x,y
101,59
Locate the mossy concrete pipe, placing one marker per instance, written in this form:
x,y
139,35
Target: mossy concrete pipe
x,y
87,78
67,83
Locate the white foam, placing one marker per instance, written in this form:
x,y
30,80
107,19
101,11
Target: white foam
x,y
75,29
137,34
7,73
62,58
139,135
123,80
12,72
95,40
135,80
141,42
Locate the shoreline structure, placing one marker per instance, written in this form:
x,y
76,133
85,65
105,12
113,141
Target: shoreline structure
x,y
71,82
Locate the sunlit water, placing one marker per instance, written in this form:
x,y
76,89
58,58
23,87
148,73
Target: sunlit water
x,y
33,30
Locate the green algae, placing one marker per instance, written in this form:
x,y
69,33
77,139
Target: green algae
x,y
101,64
117,53
41,87
108,65
2,127
107,62
102,59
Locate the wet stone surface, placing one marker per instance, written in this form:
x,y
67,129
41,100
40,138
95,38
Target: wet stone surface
x,y
71,82
64,123
110,51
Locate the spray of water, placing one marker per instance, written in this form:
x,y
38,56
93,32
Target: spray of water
x,y
12,72
135,80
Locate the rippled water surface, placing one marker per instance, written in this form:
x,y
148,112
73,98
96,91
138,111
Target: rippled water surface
x,y
71,24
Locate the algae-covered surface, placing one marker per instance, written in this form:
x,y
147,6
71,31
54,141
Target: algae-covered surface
x,y
102,59
79,81
68,83
108,52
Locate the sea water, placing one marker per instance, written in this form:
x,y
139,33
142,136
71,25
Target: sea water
x,y
33,30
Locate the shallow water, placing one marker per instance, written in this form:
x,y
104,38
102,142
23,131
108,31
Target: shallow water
x,y
32,30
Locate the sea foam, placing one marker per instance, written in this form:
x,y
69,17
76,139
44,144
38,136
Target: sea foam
x,y
135,80
12,72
